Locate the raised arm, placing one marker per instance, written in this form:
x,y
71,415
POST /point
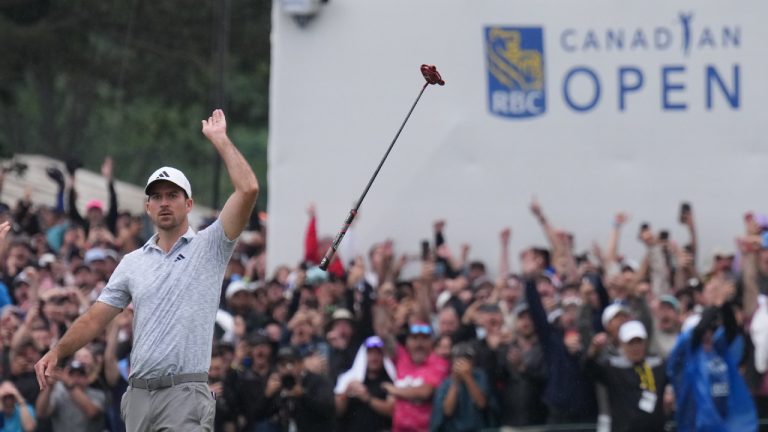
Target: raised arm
x,y
538,313
686,218
549,231
749,246
72,211
504,266
237,210
106,171
612,256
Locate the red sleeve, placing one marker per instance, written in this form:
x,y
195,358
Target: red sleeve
x,y
310,242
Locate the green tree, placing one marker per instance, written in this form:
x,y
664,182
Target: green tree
x,y
84,79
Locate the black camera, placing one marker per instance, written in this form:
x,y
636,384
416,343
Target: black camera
x,y
77,368
288,381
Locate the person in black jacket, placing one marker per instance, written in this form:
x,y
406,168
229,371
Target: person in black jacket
x,y
303,400
248,387
523,375
634,380
362,405
569,394
95,213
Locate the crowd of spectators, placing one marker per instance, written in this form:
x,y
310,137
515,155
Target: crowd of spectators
x,y
557,337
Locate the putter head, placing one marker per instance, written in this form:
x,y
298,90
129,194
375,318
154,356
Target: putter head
x,y
431,74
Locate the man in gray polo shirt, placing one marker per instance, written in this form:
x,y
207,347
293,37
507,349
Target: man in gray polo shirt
x,y
174,282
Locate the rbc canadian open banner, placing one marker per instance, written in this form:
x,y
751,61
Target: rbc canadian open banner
x,y
593,107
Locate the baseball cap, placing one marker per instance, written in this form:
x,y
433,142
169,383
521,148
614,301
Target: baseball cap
x,y
342,314
94,254
632,330
374,342
521,308
21,278
46,259
172,175
288,354
670,300
315,276
571,301
235,287
111,253
94,204
255,339
611,311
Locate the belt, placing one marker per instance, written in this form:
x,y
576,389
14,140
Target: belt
x,y
167,381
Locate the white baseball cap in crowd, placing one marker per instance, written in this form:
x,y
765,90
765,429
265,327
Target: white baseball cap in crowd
x,y
237,286
632,330
172,175
612,310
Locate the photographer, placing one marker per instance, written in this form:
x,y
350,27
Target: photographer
x,y
460,402
304,400
17,414
70,402
248,383
361,401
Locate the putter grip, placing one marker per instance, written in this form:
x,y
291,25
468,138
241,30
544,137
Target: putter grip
x,y
335,245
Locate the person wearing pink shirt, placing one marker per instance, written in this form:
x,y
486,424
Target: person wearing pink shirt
x,y
419,372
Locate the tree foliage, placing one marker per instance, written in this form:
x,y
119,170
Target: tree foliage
x,y
84,79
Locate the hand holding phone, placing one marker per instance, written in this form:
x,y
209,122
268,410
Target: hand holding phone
x,y
685,213
425,250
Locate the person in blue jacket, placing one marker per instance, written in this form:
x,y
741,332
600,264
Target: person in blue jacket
x,y
710,393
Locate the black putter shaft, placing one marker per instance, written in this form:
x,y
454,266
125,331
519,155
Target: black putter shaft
x,y
352,213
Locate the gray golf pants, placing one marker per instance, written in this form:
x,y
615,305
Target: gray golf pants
x,y
183,407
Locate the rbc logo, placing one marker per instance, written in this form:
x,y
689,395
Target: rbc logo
x,y
515,58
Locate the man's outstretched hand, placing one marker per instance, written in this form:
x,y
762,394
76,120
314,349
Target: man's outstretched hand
x,y
46,367
216,126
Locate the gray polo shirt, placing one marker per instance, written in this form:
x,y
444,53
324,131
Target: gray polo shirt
x,y
175,297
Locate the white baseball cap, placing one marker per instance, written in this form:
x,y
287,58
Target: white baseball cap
x,y
235,287
611,311
632,330
172,175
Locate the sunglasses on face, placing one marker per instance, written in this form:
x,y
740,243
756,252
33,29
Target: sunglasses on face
x,y
420,329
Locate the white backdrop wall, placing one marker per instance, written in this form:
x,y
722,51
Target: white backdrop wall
x,y
691,75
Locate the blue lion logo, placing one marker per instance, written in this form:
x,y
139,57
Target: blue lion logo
x,y
515,71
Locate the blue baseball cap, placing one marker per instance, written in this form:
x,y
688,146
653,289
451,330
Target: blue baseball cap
x,y
374,342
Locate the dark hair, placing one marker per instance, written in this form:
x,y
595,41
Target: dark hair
x,y
477,265
221,348
463,350
544,255
571,287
